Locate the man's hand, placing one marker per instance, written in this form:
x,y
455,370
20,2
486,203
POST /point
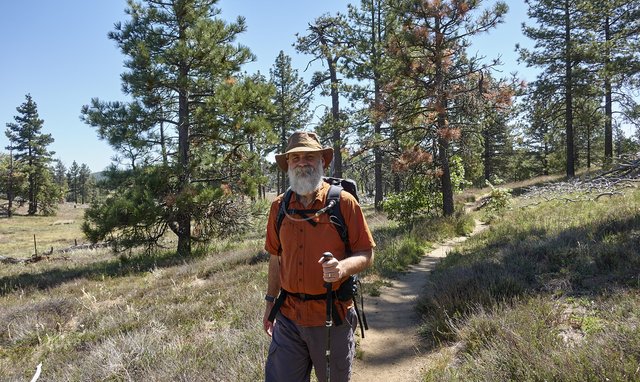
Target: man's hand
x,y
266,324
331,269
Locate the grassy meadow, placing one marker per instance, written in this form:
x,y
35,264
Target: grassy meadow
x,y
60,231
91,315
548,293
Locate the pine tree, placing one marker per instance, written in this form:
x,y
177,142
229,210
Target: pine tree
x,y
29,147
185,130
366,62
613,48
558,36
291,100
326,42
73,180
431,49
85,183
60,173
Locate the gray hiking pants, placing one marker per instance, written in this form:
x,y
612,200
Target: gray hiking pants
x,y
295,349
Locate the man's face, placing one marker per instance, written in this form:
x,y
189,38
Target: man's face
x,y
305,171
303,159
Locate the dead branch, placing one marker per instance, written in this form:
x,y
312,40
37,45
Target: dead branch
x,y
625,174
48,255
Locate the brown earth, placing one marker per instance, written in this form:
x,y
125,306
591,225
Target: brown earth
x,y
391,348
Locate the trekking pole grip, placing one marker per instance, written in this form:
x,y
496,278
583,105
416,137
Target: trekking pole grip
x,y
327,256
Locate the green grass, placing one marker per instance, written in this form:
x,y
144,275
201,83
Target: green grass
x,y
548,293
399,247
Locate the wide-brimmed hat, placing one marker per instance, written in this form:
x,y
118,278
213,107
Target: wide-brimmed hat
x,y
302,141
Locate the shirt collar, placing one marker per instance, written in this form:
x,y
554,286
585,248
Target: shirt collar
x,y
319,193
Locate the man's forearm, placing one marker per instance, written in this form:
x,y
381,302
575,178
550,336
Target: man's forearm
x,y
356,263
273,277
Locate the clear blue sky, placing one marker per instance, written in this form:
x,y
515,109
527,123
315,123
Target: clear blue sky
x,y
58,52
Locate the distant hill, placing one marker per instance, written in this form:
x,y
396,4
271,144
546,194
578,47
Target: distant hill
x,y
98,176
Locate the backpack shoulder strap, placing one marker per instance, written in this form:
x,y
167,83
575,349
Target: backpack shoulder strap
x,y
284,203
335,215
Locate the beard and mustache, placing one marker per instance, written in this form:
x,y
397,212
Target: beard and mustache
x,y
306,179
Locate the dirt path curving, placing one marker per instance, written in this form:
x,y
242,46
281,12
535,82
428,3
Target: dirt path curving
x,y
390,349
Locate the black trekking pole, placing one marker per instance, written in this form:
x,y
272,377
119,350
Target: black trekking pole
x,y
329,321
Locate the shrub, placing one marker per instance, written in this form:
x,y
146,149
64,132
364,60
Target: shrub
x,y
398,255
499,200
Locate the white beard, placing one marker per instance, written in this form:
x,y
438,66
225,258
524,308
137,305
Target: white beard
x,y
306,180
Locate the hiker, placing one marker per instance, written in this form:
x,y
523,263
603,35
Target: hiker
x,y
299,274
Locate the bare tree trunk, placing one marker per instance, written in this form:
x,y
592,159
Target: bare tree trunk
x,y
487,155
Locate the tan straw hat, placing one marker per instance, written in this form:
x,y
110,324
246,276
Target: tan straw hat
x,y
302,141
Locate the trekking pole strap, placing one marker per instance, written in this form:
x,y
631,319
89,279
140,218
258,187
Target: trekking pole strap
x,y
277,305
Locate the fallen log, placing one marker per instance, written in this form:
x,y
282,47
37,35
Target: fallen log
x,y
27,260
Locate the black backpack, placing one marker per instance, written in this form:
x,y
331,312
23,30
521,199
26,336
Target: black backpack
x,y
348,289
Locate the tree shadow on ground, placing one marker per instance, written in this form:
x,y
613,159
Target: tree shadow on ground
x,y
580,261
116,267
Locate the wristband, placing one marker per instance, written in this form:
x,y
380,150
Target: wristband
x,y
270,298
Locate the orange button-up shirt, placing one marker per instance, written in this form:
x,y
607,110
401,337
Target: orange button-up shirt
x,y
300,246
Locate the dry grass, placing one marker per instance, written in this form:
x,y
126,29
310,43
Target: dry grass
x,y
60,231
548,293
192,320
95,316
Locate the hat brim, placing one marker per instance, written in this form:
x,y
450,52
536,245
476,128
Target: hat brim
x,y
281,159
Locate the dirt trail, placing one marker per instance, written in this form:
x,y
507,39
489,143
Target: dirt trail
x,y
391,350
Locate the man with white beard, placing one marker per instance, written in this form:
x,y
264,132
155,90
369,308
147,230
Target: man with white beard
x,y
298,272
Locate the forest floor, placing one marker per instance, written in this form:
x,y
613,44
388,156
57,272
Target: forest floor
x,y
391,349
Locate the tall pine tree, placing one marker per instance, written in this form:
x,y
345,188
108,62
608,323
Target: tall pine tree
x,y
431,49
29,147
366,61
291,100
325,42
558,37
613,27
184,131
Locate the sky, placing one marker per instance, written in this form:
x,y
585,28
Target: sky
x,y
59,53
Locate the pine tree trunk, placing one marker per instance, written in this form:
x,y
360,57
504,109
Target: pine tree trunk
x,y
33,207
376,28
335,113
608,115
183,218
447,189
570,153
10,186
487,154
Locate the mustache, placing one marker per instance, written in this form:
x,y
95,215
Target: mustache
x,y
304,170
